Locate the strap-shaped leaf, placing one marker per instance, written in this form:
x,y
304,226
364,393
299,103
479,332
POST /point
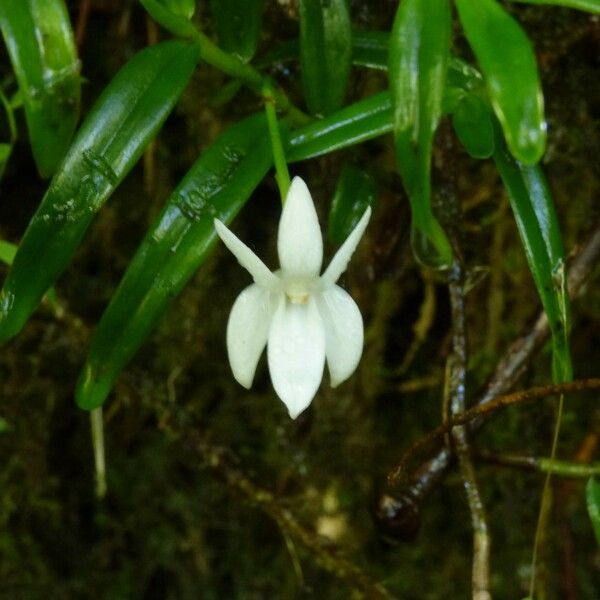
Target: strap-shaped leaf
x,y
419,53
42,50
472,119
218,185
184,8
537,222
355,191
125,118
325,53
175,21
354,124
508,63
592,6
238,24
592,492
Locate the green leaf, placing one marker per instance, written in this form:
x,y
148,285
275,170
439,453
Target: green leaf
x,y
125,118
184,8
7,252
355,191
5,152
238,24
354,124
537,222
217,186
419,53
325,53
509,66
592,6
592,493
170,16
371,49
42,50
472,121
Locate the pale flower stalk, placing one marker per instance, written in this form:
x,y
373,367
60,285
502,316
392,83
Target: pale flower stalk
x,y
302,317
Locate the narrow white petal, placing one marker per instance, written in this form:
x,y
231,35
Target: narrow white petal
x,y
296,352
340,261
299,241
248,331
344,332
256,267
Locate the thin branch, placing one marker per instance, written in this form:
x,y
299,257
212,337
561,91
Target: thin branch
x,y
509,369
559,468
325,554
475,416
456,387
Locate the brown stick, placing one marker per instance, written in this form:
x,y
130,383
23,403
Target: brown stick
x,y
507,373
456,386
218,460
476,415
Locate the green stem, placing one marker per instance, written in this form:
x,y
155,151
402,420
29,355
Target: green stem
x,y
546,498
282,174
97,425
560,468
10,116
233,66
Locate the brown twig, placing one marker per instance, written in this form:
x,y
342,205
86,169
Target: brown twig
x,y
82,20
507,373
558,468
219,461
476,415
456,389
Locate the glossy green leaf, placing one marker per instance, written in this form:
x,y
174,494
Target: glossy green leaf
x,y
325,53
419,53
371,49
509,66
218,185
592,6
472,121
238,24
5,152
355,191
7,252
125,118
184,8
42,50
592,492
537,222
170,18
354,124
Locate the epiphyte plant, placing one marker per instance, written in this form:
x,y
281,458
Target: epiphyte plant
x,y
495,107
300,316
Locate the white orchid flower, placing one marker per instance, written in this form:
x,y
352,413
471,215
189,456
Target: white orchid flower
x,y
301,317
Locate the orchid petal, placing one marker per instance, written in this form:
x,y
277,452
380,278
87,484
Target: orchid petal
x,y
299,241
342,257
248,331
344,332
296,353
256,267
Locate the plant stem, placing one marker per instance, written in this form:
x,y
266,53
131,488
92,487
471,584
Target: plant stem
x,y
426,476
544,513
233,66
282,174
474,417
456,390
559,468
97,425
